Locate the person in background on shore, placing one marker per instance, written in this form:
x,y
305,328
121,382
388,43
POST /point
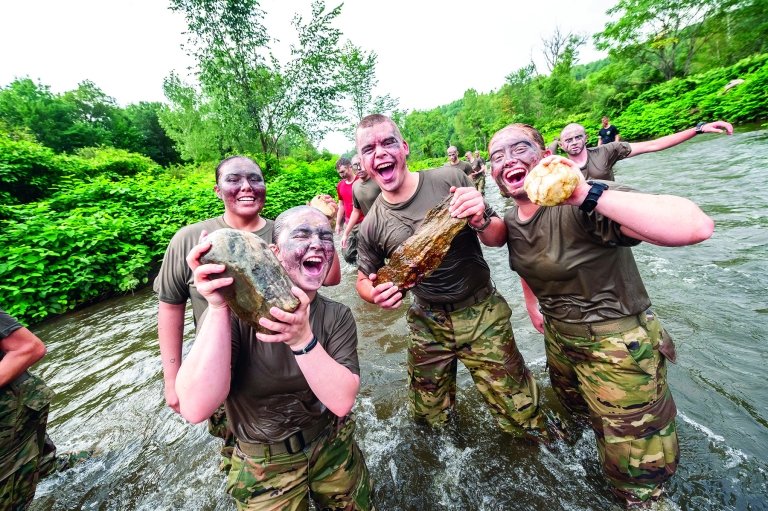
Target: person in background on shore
x,y
455,162
27,453
240,186
344,214
457,314
606,350
608,133
364,193
598,162
288,390
478,174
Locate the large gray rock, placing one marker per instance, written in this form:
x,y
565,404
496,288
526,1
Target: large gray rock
x,y
260,282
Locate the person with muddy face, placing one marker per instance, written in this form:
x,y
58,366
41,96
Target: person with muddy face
x,y
288,390
240,186
454,161
598,162
456,313
606,350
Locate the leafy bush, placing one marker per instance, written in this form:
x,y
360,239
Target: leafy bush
x,y
297,182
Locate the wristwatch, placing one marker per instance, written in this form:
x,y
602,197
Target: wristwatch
x,y
590,202
699,127
485,225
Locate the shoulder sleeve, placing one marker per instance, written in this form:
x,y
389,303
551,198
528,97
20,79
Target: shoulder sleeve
x,y
623,149
370,256
172,282
8,325
340,342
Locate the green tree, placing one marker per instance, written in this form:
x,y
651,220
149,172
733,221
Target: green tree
x,y
258,100
663,33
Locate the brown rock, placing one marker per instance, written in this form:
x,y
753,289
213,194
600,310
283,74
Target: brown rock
x,y
260,282
421,253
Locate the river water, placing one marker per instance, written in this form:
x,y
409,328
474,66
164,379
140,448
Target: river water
x,y
104,364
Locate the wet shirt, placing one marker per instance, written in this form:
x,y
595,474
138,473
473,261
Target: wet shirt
x,y
463,270
601,159
364,193
175,283
579,265
344,191
462,165
269,398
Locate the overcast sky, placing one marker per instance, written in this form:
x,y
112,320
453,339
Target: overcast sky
x,y
429,52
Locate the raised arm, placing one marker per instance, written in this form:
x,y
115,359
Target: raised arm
x,y
665,220
203,381
678,138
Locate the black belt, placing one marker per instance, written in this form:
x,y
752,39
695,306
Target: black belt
x,y
475,298
294,444
610,326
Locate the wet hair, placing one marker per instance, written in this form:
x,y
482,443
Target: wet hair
x,y
528,130
343,162
228,159
375,120
283,217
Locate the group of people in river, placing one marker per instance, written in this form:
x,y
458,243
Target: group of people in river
x,y
281,396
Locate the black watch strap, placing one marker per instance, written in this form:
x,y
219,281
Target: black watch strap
x,y
699,127
590,202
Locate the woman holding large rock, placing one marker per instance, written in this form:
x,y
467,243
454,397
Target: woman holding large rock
x,y
289,386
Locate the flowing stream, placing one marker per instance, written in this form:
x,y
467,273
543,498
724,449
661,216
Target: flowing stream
x,y
103,362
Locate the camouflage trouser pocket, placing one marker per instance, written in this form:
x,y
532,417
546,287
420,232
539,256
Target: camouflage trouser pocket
x,y
252,479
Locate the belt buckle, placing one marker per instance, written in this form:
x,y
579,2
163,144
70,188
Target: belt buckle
x,y
299,439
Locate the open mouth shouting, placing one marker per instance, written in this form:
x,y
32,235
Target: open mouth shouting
x,y
313,265
386,171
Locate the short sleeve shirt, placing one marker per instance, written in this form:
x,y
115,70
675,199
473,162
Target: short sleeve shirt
x,y
175,283
608,135
579,265
601,159
269,398
364,193
462,165
463,270
344,191
8,325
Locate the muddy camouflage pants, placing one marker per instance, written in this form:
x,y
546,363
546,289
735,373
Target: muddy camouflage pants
x,y
350,253
26,452
218,426
331,471
619,381
480,336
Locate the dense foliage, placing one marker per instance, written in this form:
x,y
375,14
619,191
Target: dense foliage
x,y
86,209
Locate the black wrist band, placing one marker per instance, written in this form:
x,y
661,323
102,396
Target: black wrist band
x,y
699,127
306,349
590,202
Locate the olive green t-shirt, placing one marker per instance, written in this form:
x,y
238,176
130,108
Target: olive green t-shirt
x,y
579,265
462,165
364,193
269,398
8,325
601,159
175,283
386,226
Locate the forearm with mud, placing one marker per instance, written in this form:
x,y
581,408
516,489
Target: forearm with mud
x,y
665,220
203,381
353,218
170,334
333,384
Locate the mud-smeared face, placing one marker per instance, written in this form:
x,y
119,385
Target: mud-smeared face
x,y
382,152
453,155
573,140
513,154
241,187
305,248
358,169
